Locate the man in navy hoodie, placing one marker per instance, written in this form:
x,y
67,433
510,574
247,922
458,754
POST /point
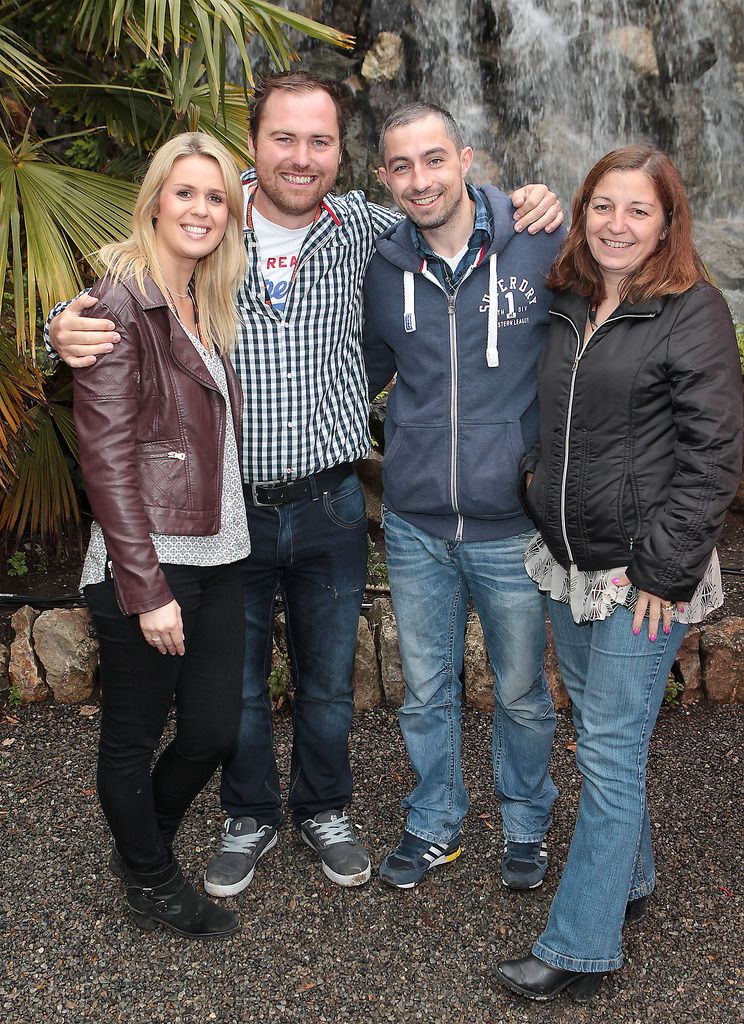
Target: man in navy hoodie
x,y
456,306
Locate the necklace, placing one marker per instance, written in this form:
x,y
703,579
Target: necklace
x,y
189,295
178,294
593,316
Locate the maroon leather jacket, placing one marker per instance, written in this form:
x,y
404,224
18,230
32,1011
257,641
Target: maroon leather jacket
x,y
151,425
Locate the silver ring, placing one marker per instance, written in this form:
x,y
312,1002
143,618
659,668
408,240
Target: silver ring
x,y
155,639
667,607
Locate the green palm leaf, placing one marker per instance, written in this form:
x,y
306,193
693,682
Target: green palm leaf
x,y
65,210
154,25
20,65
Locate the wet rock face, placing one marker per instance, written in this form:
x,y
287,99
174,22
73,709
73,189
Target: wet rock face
x,y
543,90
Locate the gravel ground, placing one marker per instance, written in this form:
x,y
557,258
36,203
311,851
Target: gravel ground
x,y
311,952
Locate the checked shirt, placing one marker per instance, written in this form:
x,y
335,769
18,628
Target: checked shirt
x,y
302,371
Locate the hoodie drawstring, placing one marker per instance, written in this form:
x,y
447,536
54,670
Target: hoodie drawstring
x,y
492,346
409,309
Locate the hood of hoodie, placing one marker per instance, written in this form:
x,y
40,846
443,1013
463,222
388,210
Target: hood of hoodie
x,y
396,247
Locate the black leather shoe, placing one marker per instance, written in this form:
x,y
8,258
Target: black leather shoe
x,y
172,901
535,979
636,909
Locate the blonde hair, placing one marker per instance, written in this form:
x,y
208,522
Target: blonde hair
x,y
218,275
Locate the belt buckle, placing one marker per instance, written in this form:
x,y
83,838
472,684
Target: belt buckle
x,y
263,483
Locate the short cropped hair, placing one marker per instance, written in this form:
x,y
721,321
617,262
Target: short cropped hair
x,y
675,265
296,82
410,112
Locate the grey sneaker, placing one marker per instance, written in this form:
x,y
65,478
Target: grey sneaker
x,y
344,859
243,844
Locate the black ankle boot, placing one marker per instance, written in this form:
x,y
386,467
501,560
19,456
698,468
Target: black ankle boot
x,y
167,898
535,979
636,909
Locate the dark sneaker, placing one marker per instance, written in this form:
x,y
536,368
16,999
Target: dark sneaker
x,y
344,859
243,844
523,865
409,862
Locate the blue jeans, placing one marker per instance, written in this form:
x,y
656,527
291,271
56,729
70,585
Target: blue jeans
x,y
616,682
431,580
315,552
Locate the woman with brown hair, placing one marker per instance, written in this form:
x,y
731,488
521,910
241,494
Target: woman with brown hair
x,y
639,456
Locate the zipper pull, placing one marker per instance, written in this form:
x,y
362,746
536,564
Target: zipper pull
x,y
181,456
451,305
631,544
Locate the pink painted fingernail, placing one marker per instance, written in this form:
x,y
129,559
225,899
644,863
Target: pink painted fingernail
x,y
666,629
616,582
636,630
682,608
652,637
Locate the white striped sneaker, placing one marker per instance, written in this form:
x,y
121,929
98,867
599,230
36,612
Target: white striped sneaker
x,y
406,865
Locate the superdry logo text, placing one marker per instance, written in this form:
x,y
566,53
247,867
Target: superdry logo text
x,y
515,297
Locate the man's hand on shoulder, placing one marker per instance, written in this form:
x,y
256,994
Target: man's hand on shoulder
x,y
538,209
79,339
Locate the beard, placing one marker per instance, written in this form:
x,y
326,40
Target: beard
x,y
293,200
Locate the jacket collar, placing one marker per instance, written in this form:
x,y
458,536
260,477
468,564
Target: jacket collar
x,y
152,298
576,307
182,346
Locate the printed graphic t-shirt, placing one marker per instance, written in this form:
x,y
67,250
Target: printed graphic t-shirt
x,y
279,248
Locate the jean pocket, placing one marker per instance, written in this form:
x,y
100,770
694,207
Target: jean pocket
x,y
346,506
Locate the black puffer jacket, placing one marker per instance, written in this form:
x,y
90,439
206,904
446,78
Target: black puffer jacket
x,y
640,438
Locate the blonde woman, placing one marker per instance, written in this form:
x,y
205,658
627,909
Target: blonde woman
x,y
158,420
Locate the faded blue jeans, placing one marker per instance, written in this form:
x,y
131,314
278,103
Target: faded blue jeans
x,y
616,682
431,580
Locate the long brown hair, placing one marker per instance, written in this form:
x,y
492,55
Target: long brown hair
x,y
675,265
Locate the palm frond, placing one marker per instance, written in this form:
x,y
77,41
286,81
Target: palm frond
x,y
155,25
20,66
64,210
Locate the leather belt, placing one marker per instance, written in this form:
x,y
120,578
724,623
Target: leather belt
x,y
276,492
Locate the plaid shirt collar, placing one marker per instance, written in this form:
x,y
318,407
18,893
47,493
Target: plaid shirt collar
x,y
480,239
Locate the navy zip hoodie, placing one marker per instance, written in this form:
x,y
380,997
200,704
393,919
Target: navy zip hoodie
x,y
464,407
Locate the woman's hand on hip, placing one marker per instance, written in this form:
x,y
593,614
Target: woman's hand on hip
x,y
658,610
162,628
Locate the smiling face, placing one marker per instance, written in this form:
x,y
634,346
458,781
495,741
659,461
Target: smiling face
x,y
425,172
192,213
624,223
297,151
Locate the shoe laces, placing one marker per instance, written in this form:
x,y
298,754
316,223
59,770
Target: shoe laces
x,y
244,843
332,832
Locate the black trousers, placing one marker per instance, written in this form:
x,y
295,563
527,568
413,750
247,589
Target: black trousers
x,y
138,688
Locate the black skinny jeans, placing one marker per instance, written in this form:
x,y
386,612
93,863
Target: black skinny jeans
x,y
138,687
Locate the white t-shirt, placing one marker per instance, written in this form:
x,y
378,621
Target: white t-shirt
x,y
279,248
453,261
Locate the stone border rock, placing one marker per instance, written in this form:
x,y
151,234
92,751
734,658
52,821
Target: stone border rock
x,y
54,655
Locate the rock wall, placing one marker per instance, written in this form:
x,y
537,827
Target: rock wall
x,y
54,656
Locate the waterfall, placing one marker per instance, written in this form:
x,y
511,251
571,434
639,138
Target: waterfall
x,y
578,79
450,74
